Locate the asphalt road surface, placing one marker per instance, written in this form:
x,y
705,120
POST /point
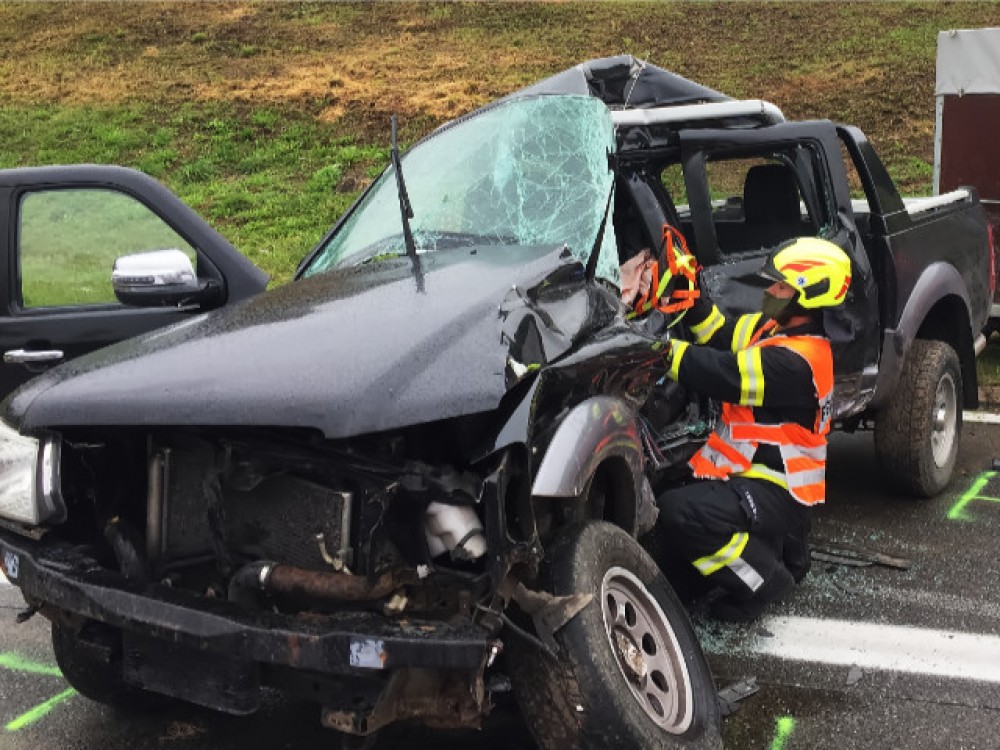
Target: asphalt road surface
x,y
859,657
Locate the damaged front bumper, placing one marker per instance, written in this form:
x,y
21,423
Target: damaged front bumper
x,y
369,658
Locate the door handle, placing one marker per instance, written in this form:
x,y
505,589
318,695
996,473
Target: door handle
x,y
31,356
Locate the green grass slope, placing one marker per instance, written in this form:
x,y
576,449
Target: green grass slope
x,y
268,118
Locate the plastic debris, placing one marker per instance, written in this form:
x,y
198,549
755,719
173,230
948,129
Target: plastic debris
x,y
731,696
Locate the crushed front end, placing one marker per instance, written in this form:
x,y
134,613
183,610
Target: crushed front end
x,y
363,574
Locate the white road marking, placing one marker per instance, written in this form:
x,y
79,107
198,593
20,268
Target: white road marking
x,y
876,646
985,417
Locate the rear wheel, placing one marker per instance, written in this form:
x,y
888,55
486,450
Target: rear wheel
x,y
917,434
630,672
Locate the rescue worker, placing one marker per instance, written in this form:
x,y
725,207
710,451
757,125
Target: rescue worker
x,y
744,523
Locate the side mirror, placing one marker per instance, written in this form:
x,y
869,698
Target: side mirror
x,y
160,278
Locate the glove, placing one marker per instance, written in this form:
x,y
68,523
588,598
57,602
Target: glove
x,y
672,351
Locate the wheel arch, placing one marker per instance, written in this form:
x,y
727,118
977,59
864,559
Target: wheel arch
x,y
948,321
618,482
598,440
937,309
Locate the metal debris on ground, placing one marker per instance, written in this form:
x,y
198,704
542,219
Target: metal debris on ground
x,y
841,553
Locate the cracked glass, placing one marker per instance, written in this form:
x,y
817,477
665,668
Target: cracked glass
x,y
529,171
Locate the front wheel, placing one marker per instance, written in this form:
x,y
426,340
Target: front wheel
x,y
917,433
630,672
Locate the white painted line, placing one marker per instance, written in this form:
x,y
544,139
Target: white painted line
x,y
880,647
985,417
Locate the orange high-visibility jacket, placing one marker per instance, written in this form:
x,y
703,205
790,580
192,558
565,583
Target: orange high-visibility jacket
x,y
731,448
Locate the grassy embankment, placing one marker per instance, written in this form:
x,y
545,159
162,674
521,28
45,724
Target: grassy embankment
x,y
269,118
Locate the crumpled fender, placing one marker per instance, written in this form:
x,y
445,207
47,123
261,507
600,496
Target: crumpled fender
x,y
595,430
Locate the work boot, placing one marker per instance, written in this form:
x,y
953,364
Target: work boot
x,y
775,588
796,554
799,567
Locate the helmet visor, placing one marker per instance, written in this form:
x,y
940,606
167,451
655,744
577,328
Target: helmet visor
x,y
769,272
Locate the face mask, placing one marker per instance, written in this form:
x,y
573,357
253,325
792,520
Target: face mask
x,y
773,307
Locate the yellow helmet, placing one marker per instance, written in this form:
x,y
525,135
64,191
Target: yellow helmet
x,y
818,269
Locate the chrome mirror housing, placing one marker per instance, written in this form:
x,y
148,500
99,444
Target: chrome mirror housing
x,y
156,278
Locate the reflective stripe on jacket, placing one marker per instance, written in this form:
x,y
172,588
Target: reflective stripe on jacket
x,y
730,450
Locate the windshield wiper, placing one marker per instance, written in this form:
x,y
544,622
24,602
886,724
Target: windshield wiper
x,y
406,212
405,209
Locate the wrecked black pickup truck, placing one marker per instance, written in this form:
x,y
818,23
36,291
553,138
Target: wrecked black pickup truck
x,y
425,462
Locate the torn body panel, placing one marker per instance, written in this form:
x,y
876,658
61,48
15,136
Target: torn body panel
x,y
625,81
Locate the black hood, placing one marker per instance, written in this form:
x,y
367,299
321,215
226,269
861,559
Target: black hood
x,y
346,352
625,81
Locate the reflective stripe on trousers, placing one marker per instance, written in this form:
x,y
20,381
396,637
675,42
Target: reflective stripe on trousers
x,y
729,556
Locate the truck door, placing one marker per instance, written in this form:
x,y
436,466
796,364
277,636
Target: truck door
x,y
749,191
62,230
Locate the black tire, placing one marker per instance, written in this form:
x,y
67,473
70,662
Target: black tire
x,y
91,662
917,433
590,697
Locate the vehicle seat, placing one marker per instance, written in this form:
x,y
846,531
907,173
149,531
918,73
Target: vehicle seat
x,y
771,206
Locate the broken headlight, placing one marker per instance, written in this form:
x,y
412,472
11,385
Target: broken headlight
x,y
29,479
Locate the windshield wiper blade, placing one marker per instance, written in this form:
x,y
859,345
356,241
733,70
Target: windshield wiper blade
x,y
405,210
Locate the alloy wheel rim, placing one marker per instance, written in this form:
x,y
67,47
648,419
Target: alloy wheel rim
x,y
944,420
647,651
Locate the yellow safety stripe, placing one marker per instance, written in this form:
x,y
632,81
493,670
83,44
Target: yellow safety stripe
x,y
718,560
744,330
751,377
760,471
704,330
664,280
677,351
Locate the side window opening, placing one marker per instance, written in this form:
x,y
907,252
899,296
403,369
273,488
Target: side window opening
x,y
672,179
759,201
756,203
68,240
642,206
630,228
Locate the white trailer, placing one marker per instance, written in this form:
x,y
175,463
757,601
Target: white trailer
x,y
967,131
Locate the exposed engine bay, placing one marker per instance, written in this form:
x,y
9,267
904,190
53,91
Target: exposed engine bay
x,y
197,511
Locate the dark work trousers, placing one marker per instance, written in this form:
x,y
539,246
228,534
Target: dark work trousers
x,y
731,533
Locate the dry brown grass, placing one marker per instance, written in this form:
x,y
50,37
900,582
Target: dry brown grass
x,y
336,59
871,64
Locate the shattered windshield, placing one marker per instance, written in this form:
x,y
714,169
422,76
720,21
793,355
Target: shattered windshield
x,y
530,171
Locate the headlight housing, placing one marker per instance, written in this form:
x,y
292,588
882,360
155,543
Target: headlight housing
x,y
29,479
